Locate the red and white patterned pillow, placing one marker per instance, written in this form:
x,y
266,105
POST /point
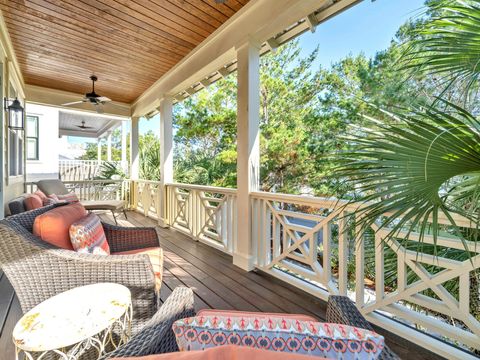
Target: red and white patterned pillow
x,y
70,198
279,334
87,236
50,200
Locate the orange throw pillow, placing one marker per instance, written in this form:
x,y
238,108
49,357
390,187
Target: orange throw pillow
x,y
41,195
54,225
33,202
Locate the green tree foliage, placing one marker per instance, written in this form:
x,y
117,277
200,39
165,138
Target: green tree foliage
x,y
91,152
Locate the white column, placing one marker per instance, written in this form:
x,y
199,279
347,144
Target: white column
x,y
248,149
134,154
99,150
166,152
109,146
124,147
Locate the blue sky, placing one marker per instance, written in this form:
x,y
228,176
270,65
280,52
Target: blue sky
x,y
365,28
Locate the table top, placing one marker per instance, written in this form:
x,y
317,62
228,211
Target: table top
x,y
71,317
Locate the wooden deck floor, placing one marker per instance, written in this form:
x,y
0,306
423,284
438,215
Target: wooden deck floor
x,y
216,284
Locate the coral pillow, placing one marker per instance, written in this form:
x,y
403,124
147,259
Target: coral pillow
x,y
54,225
225,352
40,194
278,334
33,202
87,236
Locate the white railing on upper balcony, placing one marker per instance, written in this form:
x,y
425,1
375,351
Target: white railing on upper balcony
x,y
312,243
94,189
81,170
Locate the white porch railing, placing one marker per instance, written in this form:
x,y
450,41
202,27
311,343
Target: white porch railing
x,y
95,189
312,243
208,214
80,170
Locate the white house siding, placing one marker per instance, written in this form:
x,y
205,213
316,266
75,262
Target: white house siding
x,y
48,143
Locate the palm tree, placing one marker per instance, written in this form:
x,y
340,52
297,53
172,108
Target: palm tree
x,y
423,163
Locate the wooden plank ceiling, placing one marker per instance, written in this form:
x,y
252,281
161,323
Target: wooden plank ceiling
x,y
127,44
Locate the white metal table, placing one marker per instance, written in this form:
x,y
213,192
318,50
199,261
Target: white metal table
x,y
89,318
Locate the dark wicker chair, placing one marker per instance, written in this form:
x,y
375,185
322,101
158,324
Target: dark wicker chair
x,y
157,336
38,270
342,310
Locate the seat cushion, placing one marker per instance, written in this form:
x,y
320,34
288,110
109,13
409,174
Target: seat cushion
x,y
33,202
279,335
155,254
112,205
215,312
54,225
87,236
229,352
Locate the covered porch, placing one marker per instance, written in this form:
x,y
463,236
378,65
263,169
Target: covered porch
x,y
237,248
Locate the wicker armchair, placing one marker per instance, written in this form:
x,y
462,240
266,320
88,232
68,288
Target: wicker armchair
x,y
157,336
38,270
342,310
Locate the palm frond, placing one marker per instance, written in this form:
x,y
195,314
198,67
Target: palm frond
x,y
448,44
404,167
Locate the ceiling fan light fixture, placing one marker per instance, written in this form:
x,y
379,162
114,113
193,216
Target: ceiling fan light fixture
x,y
220,1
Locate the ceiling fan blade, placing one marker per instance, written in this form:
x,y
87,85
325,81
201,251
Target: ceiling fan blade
x,y
103,99
73,103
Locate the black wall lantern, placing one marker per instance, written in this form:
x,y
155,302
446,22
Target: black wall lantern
x,y
15,114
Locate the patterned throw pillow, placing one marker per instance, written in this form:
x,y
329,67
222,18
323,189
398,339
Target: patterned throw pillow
x,y
50,200
333,341
87,236
70,198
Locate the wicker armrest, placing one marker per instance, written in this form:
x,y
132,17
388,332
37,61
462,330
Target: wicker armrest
x,y
342,310
130,238
157,336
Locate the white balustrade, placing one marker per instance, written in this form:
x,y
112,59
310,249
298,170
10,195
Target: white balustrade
x,y
80,170
146,198
94,189
313,243
207,214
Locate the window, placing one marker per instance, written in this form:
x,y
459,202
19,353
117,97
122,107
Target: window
x,y
15,140
32,137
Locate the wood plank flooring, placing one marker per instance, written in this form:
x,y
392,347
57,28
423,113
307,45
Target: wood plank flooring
x,y
216,282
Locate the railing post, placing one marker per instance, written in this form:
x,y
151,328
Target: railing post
x,y
248,149
166,154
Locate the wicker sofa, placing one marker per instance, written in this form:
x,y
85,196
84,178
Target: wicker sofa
x,y
38,270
